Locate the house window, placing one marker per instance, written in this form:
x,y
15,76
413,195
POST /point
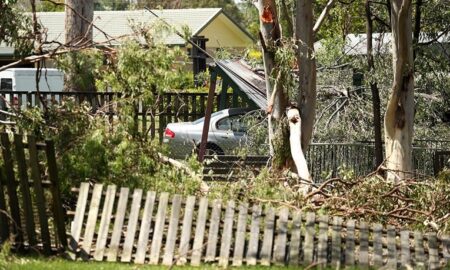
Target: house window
x,y
6,84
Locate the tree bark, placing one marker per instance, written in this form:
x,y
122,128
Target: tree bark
x,y
270,36
417,27
293,117
399,118
374,89
79,15
78,29
306,69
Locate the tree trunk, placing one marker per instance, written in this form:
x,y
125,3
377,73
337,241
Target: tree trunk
x,y
306,69
78,22
78,33
399,118
293,117
375,91
270,37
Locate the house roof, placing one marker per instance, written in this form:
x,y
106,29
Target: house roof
x,y
117,23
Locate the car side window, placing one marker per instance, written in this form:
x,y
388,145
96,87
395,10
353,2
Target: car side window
x,y
6,84
232,123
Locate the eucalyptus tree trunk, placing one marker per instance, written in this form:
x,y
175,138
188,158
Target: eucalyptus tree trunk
x,y
270,36
399,118
79,15
306,61
374,89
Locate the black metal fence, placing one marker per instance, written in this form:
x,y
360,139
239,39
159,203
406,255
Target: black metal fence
x,y
166,108
325,159
330,159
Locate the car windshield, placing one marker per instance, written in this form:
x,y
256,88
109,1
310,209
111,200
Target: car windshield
x,y
198,121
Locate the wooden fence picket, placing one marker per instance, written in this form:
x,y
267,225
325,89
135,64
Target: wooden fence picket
x,y
405,257
308,251
269,226
159,228
446,247
377,230
391,248
128,244
104,223
433,253
91,221
279,250
322,246
336,242
296,238
41,204
11,188
77,222
186,231
25,190
419,253
214,224
237,234
241,231
118,224
227,234
173,231
4,224
350,243
253,243
363,252
144,230
197,248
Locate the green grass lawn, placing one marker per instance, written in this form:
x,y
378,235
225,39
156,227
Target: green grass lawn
x,y
27,263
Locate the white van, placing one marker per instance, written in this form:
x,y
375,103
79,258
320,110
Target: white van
x,y
23,80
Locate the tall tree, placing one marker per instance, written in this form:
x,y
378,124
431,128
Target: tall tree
x,y
399,117
376,103
278,70
78,33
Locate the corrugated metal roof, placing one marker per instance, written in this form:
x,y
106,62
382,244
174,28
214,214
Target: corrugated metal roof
x,y
117,23
252,84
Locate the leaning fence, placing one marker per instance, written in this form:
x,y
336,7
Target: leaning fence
x,y
119,224
31,211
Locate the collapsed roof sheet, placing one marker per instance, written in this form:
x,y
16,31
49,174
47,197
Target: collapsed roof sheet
x,y
251,83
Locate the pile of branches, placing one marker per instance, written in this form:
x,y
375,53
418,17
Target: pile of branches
x,y
410,203
413,204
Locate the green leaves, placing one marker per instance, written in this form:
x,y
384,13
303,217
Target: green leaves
x,y
15,29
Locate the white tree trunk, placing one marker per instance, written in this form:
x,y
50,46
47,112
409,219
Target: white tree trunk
x,y
399,118
298,156
307,69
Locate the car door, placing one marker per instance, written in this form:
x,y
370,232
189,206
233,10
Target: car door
x,y
228,132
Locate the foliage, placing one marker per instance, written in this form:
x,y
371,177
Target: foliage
x,y
5,255
15,29
84,65
421,205
45,6
89,147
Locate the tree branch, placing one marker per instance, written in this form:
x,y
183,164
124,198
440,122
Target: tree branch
x,y
322,16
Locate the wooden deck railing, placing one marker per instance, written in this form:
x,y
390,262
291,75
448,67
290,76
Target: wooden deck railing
x,y
115,224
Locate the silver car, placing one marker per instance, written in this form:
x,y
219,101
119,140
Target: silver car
x,y
226,132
